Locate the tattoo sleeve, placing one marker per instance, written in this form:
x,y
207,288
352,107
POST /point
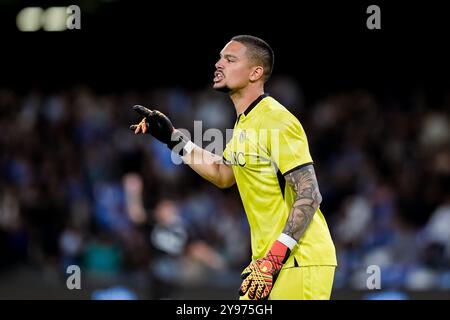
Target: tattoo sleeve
x,y
304,182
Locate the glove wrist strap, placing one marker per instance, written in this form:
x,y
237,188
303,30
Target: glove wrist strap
x,y
279,253
180,144
282,247
287,241
188,147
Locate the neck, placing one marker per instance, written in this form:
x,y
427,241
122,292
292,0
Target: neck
x,y
244,97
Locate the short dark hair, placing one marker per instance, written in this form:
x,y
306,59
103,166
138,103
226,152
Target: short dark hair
x,y
259,51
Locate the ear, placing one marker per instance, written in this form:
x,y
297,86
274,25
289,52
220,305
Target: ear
x,y
256,73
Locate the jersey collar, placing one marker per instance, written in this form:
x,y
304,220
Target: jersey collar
x,y
252,105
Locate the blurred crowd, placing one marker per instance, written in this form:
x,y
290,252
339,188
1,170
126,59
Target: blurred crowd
x,y
78,187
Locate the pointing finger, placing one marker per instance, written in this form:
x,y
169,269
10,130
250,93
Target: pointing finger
x,y
143,110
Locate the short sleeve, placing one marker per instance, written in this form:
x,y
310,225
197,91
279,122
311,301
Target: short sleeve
x,y
226,154
287,141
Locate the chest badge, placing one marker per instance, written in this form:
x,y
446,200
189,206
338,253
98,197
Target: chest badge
x,y
242,136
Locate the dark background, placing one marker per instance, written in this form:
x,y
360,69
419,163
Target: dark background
x,y
381,87
325,45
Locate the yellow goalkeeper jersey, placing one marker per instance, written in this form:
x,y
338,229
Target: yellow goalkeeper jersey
x,y
267,143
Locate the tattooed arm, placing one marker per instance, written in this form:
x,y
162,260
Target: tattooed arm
x,y
259,277
308,198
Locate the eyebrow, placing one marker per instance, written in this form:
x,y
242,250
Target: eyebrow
x,y
228,56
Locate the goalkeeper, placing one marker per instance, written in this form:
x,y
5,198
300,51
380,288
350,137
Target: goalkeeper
x,y
293,255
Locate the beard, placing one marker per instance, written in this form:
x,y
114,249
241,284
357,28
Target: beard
x,y
224,89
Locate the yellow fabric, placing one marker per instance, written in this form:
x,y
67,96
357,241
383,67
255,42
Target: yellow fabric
x,y
303,283
267,138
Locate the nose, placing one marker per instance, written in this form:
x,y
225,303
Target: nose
x,y
219,65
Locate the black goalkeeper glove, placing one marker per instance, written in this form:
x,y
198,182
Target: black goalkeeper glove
x,y
159,126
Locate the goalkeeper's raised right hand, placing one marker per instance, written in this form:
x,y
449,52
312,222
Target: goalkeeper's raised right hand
x,y
159,126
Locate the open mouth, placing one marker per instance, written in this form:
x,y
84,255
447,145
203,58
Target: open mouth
x,y
218,76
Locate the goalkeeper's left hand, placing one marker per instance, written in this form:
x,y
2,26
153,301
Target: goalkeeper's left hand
x,y
259,277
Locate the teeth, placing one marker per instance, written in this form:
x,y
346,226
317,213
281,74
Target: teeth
x,y
218,76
